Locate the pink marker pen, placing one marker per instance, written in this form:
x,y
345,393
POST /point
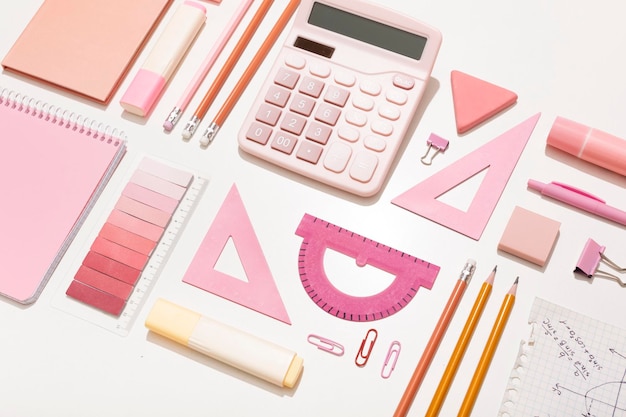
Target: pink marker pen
x,y
148,84
589,144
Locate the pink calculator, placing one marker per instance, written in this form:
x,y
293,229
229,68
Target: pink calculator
x,y
341,94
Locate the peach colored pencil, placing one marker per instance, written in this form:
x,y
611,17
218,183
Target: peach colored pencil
x,y
435,339
254,65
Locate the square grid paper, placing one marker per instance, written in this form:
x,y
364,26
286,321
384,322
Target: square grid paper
x,y
571,365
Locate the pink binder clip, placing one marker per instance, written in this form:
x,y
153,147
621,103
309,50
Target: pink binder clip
x,y
438,143
590,259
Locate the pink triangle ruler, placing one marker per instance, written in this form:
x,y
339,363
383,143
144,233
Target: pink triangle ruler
x,y
476,100
500,156
260,292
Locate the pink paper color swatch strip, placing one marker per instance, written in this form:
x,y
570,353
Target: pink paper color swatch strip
x,y
123,247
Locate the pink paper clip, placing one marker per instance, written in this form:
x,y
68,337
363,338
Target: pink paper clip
x,y
362,357
590,259
326,345
391,359
438,143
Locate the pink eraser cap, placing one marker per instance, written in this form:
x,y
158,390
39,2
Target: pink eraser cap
x,y
529,236
142,93
567,135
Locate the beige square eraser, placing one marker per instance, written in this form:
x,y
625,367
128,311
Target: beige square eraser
x,y
529,236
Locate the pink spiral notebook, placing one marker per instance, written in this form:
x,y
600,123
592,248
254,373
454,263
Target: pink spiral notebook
x,y
52,170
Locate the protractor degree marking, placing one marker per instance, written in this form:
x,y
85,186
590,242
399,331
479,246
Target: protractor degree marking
x,y
410,272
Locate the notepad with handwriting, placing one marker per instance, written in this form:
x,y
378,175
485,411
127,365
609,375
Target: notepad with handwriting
x,y
52,169
571,365
84,46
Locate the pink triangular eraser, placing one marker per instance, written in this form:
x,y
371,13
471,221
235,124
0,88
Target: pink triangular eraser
x,y
476,100
259,293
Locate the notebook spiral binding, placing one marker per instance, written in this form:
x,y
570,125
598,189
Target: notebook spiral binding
x,y
61,117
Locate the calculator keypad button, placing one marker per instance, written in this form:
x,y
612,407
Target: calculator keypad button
x,y
320,70
356,118
362,169
293,123
362,102
344,78
287,78
404,82
389,112
327,114
277,96
370,87
302,105
295,61
284,142
268,114
375,143
337,96
337,157
318,132
382,128
311,87
397,97
348,133
259,133
310,152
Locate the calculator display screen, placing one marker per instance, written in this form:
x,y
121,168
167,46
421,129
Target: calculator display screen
x,y
367,30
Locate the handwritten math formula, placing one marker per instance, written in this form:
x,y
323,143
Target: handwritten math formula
x,y
571,366
572,347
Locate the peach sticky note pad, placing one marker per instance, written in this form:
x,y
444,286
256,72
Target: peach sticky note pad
x,y
529,236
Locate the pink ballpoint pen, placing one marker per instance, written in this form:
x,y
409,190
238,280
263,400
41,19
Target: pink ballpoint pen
x,y
579,199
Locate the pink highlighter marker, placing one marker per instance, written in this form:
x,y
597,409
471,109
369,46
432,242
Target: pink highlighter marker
x,y
148,84
579,199
591,145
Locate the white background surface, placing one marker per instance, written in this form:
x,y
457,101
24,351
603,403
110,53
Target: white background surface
x,y
561,57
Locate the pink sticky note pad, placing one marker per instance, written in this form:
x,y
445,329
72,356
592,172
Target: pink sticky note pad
x,y
529,236
96,298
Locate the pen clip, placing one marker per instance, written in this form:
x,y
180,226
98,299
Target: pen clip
x,y
362,357
390,361
326,345
578,191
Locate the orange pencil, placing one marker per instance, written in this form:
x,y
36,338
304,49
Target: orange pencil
x,y
220,80
490,349
435,339
461,346
254,65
